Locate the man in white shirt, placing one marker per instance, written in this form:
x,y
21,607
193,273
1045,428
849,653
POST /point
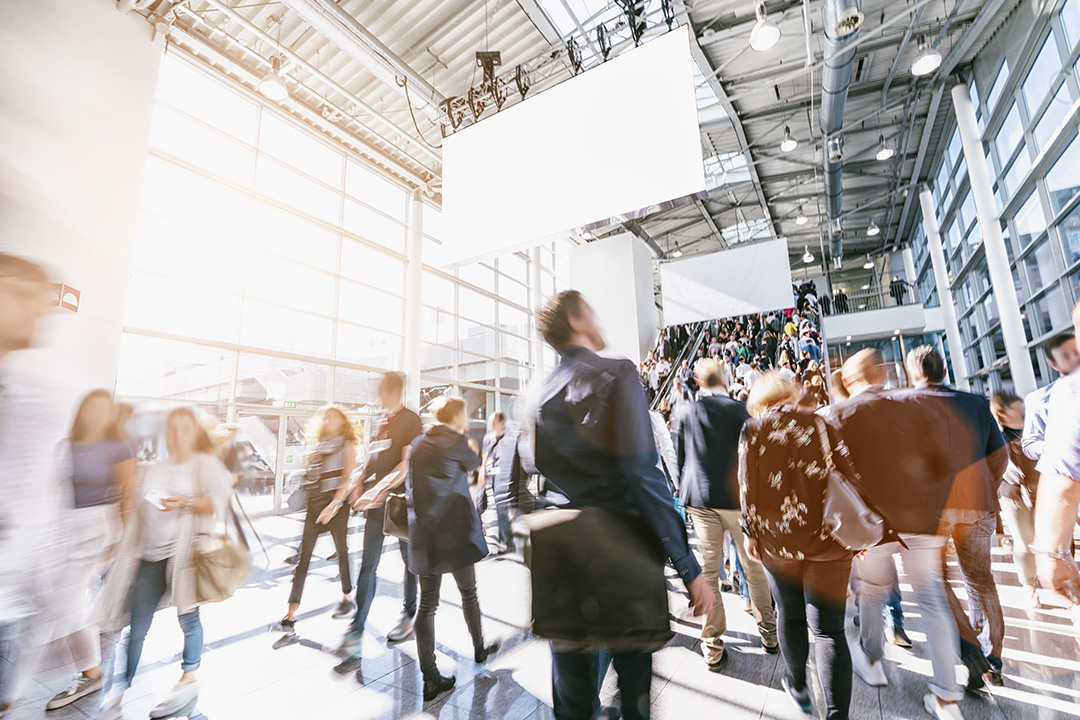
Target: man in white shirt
x,y
653,377
1062,355
785,371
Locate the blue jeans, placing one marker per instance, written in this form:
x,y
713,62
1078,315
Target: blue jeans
x,y
500,493
576,678
151,584
369,567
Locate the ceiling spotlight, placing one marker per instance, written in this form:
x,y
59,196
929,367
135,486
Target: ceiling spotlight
x,y
708,36
788,143
869,264
873,229
273,85
801,218
927,61
866,286
808,257
677,252
765,34
885,151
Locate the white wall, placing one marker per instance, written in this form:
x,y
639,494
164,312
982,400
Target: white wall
x,y
875,323
77,84
615,276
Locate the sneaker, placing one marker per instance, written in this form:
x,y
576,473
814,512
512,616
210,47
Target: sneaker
x,y
898,637
1031,598
289,638
481,654
404,628
718,666
940,709
179,702
345,608
771,649
871,672
80,687
801,699
331,557
109,711
995,678
437,686
293,559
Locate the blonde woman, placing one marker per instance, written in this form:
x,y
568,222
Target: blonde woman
x,y
783,460
329,472
182,496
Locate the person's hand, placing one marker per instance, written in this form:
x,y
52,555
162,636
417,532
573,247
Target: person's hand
x,y
372,499
328,513
1061,576
702,597
173,503
750,544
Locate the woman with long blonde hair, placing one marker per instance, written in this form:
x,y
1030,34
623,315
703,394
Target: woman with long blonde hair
x,y
333,438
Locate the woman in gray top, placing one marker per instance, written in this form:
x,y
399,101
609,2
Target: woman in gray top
x,y
98,467
329,473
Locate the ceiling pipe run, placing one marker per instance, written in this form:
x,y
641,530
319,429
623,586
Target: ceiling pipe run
x,y
842,21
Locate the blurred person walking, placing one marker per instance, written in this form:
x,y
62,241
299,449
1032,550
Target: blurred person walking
x,y
1063,357
445,535
396,431
327,480
1016,495
100,466
33,535
707,448
495,470
589,434
784,460
899,453
181,497
979,458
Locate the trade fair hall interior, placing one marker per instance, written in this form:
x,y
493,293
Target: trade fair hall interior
x,y
722,351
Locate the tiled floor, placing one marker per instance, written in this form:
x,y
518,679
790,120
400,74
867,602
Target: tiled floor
x,y
242,677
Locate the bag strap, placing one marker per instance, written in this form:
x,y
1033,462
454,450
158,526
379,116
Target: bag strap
x,y
826,447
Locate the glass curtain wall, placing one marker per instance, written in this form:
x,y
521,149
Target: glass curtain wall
x,y
1027,115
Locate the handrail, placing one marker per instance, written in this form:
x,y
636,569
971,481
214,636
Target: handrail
x,y
688,351
865,300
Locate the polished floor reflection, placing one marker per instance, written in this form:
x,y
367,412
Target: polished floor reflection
x,y
242,677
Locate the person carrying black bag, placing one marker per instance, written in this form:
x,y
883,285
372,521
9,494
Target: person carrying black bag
x,y
589,434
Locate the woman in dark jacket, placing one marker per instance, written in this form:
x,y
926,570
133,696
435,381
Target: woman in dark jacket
x,y
783,464
445,534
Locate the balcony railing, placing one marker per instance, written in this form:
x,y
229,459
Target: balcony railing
x,y
864,300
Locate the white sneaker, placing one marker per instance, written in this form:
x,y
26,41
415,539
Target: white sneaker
x,y
1031,598
80,687
941,710
180,701
871,672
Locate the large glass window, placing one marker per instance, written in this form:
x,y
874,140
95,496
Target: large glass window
x,y
1030,220
1063,180
1069,236
998,87
1042,75
1010,136
1052,117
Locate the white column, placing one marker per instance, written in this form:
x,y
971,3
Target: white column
x,y
909,265
941,276
997,259
536,301
414,251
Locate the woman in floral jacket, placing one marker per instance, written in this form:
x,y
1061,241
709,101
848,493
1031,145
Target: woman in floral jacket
x,y
784,456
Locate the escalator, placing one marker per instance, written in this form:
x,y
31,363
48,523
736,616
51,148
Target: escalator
x,y
698,333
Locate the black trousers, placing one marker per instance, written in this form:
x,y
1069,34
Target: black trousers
x,y
338,527
425,618
810,593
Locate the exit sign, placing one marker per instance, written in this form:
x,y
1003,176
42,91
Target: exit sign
x,y
290,404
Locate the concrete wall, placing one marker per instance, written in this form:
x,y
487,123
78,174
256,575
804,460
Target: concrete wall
x,y
77,84
875,323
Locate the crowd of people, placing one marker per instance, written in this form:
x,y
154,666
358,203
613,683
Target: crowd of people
x,y
748,445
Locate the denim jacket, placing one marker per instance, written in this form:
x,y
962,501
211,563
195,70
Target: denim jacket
x,y
588,433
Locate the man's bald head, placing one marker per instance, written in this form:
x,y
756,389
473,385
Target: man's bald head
x,y
863,370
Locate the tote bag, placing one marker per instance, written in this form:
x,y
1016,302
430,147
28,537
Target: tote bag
x,y
847,517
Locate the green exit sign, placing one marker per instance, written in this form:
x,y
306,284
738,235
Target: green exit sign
x,y
290,404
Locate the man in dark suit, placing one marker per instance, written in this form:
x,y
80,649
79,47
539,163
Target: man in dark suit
x,y
978,460
901,468
707,447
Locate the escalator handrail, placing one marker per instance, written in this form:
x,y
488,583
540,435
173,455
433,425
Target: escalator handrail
x,y
688,351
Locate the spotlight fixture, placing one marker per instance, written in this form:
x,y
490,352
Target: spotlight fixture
x,y
866,286
788,143
808,257
677,252
273,85
885,151
873,229
801,218
869,264
765,34
927,61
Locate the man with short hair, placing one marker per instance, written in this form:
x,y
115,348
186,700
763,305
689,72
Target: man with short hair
x,y
1062,355
979,458
707,447
1059,487
652,377
495,469
396,429
902,473
590,436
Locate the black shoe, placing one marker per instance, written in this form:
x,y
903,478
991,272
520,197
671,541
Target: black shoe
x,y
289,638
345,608
995,678
771,649
437,686
481,654
293,559
976,663
800,698
898,637
332,556
718,666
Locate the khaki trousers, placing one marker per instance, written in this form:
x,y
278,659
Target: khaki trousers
x,y
709,526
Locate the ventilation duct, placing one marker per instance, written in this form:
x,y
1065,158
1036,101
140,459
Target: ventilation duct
x,y
842,21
